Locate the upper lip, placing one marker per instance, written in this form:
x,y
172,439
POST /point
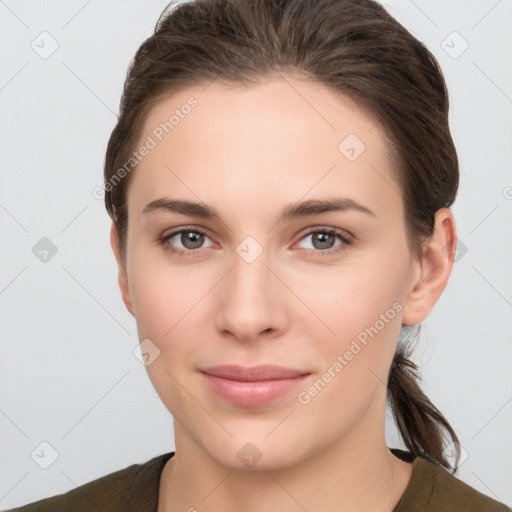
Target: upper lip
x,y
253,373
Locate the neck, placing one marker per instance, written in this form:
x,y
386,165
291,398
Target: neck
x,y
357,473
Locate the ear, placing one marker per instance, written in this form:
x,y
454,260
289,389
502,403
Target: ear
x,y
122,275
434,269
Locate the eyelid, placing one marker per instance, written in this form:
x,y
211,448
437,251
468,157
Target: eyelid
x,y
336,250
330,229
345,236
301,234
180,229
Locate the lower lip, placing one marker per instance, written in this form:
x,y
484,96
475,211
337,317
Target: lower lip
x,y
252,394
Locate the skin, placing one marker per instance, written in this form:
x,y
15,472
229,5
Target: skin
x,y
248,152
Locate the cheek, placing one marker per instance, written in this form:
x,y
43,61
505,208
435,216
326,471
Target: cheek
x,y
361,307
163,293
349,299
354,362
169,303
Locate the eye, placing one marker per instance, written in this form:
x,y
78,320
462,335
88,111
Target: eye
x,y
190,239
323,240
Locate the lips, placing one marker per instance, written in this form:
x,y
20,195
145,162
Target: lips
x,y
252,386
254,373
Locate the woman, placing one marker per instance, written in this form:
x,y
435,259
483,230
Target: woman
x,y
280,181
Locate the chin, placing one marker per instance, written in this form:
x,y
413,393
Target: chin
x,y
260,454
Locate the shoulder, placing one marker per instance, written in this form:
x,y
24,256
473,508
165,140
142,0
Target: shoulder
x,y
433,489
134,487
448,489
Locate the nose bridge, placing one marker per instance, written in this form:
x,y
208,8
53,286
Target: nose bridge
x,y
251,301
250,278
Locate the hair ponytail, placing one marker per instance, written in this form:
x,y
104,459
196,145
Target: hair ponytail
x,y
422,426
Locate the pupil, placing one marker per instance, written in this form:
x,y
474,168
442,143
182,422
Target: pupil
x,y
323,240
194,238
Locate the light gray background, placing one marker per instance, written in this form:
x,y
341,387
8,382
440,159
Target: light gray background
x,y
68,374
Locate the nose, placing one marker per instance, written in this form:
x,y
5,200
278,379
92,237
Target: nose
x,y
252,301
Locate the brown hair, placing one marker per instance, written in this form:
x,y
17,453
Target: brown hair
x,y
352,46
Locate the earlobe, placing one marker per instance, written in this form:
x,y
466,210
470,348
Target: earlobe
x,y
122,275
435,268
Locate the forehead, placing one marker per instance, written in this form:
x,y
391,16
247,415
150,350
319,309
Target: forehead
x,y
285,133
296,103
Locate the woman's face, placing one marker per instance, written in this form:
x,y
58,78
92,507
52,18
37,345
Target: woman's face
x,y
260,287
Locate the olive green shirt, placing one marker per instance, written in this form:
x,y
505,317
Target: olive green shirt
x,y
430,489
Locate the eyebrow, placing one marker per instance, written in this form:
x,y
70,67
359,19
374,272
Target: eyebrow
x,y
290,211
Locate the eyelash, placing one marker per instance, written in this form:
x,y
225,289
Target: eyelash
x,y
191,252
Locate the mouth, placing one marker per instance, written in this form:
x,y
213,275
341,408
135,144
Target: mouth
x,y
252,386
